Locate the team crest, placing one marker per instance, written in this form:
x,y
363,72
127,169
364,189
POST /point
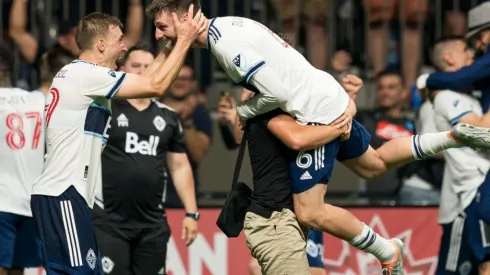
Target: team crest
x,y
112,73
465,268
122,121
91,259
159,123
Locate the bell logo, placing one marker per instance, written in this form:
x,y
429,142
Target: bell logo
x,y
133,145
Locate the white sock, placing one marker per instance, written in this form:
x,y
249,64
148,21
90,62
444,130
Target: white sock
x,y
427,145
369,241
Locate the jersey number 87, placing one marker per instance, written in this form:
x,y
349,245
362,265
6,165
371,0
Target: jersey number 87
x,y
16,138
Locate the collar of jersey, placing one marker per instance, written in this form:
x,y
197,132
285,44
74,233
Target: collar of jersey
x,y
208,44
83,61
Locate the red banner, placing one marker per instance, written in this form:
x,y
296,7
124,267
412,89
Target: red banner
x,y
214,254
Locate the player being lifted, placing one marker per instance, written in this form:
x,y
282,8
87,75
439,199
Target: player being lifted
x,y
77,118
21,162
256,58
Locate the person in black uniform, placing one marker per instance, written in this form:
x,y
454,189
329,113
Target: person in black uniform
x,y
129,219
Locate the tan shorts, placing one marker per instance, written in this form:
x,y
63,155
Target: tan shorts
x,y
311,9
278,243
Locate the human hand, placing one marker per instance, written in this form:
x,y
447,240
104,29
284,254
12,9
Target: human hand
x,y
189,230
227,110
352,85
188,30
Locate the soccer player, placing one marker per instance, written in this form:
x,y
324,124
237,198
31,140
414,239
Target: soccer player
x,y
131,225
464,243
21,161
259,60
77,120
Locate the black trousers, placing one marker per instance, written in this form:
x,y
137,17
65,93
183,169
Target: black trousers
x,y
133,251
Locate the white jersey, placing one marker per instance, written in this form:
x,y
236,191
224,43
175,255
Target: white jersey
x,y
243,46
465,170
77,120
21,147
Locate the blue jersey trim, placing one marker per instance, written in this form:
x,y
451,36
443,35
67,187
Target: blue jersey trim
x,y
97,135
456,119
100,106
116,86
207,35
255,68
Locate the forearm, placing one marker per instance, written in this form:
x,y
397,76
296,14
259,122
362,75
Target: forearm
x,y
18,19
227,134
311,137
25,42
167,71
134,23
259,104
183,180
195,144
461,79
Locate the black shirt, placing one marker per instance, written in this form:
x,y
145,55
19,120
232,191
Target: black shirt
x,y
269,158
134,161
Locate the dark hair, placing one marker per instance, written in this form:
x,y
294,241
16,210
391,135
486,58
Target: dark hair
x,y
390,72
7,62
93,25
52,62
139,47
177,6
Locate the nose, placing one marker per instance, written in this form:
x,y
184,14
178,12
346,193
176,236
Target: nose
x,y
158,34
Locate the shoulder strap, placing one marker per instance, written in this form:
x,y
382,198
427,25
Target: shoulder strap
x,y
239,160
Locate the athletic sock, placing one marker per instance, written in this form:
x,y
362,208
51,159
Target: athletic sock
x,y
369,241
427,145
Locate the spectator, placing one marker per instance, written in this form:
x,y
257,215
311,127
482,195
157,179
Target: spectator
x,y
412,14
455,12
312,14
183,97
388,121
31,48
51,63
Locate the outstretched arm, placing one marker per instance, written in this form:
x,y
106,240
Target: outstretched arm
x,y
25,42
459,80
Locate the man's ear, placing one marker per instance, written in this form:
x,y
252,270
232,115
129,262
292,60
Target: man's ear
x,y
100,44
448,57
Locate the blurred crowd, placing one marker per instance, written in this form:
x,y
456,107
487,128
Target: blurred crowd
x,y
385,42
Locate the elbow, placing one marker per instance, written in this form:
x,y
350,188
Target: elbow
x,y
296,143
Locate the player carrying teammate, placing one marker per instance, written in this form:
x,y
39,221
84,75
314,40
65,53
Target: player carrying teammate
x,y
256,58
21,161
77,120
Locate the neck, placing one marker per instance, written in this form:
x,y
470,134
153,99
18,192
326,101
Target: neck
x,y
140,103
45,87
95,58
202,39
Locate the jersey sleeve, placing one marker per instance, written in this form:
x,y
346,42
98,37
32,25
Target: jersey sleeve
x,y
452,106
102,82
177,143
242,61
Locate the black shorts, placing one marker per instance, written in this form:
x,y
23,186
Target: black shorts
x,y
136,251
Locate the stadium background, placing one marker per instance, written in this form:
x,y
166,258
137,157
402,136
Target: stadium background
x,y
346,24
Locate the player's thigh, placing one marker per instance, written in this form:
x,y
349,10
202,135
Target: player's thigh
x,y
68,240
115,250
314,249
150,253
27,245
414,10
379,10
8,233
278,243
312,167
